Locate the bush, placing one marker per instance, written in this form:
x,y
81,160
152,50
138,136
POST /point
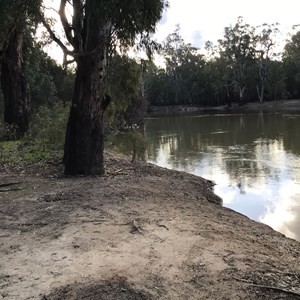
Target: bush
x,y
8,132
44,142
131,142
49,127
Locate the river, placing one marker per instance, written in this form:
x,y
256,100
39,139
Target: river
x,y
254,159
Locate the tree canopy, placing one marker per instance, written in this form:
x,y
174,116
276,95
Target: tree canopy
x,y
16,14
121,23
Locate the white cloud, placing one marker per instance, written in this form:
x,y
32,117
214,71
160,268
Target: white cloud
x,y
283,213
210,17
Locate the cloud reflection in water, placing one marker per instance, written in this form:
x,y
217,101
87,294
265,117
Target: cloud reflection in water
x,y
254,161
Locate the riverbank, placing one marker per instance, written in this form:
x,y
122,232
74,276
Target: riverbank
x,y
271,106
140,232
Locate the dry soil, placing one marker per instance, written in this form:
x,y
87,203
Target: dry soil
x,y
139,232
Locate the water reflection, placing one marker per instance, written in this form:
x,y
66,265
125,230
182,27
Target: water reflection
x,y
254,159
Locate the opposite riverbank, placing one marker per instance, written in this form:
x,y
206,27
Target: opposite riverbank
x,y
272,106
140,232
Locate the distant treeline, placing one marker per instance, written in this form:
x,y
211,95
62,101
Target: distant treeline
x,y
242,67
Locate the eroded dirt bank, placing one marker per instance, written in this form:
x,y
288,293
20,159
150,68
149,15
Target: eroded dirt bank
x,y
141,232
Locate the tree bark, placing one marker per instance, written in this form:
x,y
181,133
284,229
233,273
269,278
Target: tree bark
x,y
84,142
14,84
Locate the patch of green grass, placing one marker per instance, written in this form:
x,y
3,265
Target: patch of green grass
x,y
17,152
9,152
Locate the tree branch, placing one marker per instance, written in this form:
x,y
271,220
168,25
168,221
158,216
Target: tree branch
x,y
65,23
54,37
78,49
66,61
49,8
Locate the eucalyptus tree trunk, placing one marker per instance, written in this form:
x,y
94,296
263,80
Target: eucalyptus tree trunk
x,y
94,28
228,95
242,99
84,137
261,92
14,84
262,67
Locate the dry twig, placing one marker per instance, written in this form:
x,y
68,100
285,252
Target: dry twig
x,y
136,228
162,225
275,288
9,184
269,287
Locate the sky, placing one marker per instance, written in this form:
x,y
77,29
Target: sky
x,y
205,20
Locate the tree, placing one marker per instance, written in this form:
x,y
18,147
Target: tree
x,y
49,82
238,48
93,30
276,84
16,17
184,68
190,71
170,51
15,85
220,72
291,63
159,88
265,43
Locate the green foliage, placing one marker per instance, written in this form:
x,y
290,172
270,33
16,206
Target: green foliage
x,y
45,141
7,132
291,65
48,127
131,143
16,15
120,23
158,86
276,84
124,82
238,49
48,81
9,152
242,67
131,19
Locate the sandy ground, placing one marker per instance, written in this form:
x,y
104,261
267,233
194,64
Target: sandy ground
x,y
140,232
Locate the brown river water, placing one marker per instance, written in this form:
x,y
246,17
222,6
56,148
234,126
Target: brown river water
x,y
253,158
